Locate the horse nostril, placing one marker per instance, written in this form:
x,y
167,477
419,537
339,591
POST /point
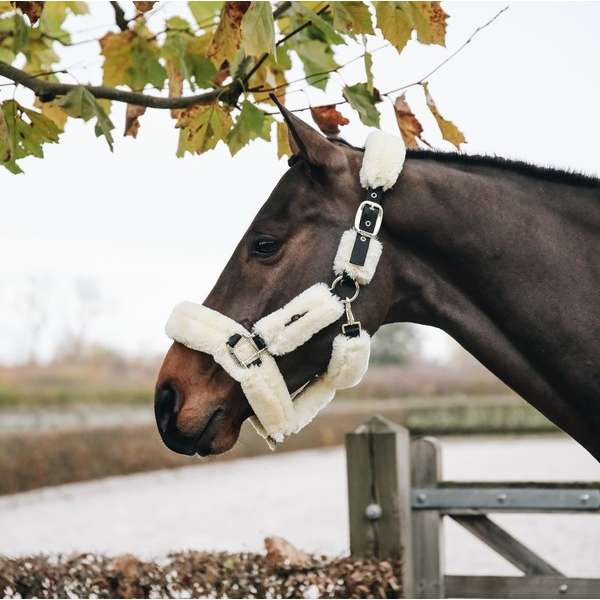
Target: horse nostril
x,y
166,405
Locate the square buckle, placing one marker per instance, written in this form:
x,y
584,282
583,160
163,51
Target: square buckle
x,y
244,350
378,220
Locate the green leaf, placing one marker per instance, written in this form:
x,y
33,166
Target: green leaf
x,y
363,102
258,30
81,104
21,137
202,127
368,58
249,125
205,12
145,67
54,15
329,33
351,17
317,59
20,33
395,21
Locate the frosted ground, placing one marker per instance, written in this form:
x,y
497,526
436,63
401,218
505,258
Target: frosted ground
x,y
300,496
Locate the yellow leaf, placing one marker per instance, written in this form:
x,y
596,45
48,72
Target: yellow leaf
x,y
283,140
202,127
228,35
450,132
55,113
116,49
258,30
430,22
395,22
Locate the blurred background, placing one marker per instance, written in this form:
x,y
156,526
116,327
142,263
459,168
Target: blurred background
x,y
95,249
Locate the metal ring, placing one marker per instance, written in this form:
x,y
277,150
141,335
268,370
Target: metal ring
x,y
340,278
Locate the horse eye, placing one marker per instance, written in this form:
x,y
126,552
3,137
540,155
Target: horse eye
x,y
264,247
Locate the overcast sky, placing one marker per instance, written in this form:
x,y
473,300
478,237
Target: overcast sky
x,y
134,221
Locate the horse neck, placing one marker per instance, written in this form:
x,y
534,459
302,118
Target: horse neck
x,y
502,261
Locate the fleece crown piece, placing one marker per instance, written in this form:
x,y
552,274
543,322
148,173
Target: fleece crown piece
x,y
249,355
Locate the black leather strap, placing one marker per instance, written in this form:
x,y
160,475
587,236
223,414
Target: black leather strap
x,y
368,221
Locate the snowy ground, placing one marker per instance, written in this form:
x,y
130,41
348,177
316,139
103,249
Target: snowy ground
x,y
300,496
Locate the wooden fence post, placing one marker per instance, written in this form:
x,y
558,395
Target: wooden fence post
x,y
378,466
427,531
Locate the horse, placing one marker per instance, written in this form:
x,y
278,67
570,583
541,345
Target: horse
x,y
502,255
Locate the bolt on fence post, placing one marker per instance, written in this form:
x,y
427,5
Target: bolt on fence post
x,y
427,531
378,466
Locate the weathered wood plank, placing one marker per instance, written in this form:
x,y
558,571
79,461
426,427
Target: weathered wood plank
x,y
533,586
427,530
506,545
379,476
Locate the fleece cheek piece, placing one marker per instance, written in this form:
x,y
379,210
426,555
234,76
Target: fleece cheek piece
x,y
343,264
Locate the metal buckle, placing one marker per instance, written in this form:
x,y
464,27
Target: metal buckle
x,y
351,328
358,216
244,351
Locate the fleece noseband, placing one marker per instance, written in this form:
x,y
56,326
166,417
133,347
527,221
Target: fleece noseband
x,y
249,355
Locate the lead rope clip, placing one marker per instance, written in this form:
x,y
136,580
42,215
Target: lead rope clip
x,y
351,328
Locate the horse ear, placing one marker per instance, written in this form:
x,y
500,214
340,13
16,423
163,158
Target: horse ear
x,y
308,142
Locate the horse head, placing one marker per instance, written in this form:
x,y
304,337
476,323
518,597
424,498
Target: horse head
x,y
289,246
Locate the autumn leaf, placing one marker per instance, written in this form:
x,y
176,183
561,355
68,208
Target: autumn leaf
x,y
450,132
395,22
283,140
132,116
33,10
23,132
328,118
363,102
130,60
143,6
54,15
351,17
409,125
328,33
54,112
430,22
258,30
81,104
228,35
202,127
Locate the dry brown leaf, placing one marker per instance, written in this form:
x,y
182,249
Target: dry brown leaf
x,y
32,9
450,132
280,553
409,125
144,7
132,123
328,118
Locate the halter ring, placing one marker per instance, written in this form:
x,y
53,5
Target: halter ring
x,y
342,277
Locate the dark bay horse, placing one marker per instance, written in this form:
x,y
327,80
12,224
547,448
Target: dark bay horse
x,y
503,256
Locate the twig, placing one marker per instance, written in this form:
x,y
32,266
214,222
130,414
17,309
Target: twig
x,y
422,79
121,21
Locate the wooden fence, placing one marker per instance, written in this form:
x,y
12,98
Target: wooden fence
x,y
397,501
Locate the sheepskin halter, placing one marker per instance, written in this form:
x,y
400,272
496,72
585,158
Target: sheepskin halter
x,y
249,355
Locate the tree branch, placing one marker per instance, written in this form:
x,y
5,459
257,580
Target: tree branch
x,y
121,21
49,89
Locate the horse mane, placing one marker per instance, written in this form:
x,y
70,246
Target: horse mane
x,y
566,176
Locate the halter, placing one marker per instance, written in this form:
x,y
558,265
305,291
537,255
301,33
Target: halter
x,y
248,355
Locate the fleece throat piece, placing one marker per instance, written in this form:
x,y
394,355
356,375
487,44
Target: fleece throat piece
x,y
248,356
